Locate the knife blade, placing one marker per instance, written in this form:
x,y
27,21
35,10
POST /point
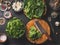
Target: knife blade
x,y
41,29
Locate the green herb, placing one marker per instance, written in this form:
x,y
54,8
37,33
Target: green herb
x,y
33,8
34,33
15,28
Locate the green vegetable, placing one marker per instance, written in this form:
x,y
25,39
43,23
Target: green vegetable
x,y
33,8
15,28
34,33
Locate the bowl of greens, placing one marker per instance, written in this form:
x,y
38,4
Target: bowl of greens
x,y
34,8
15,28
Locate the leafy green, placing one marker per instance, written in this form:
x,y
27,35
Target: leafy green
x,y
33,8
15,28
34,33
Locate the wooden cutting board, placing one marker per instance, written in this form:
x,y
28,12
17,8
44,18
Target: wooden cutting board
x,y
44,24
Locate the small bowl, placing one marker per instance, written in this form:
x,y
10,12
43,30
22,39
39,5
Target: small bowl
x,y
2,36
7,14
54,14
3,7
8,4
2,21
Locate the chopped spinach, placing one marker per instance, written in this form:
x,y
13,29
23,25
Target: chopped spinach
x,y
34,33
15,28
33,8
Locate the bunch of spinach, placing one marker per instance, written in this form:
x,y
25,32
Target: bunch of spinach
x,y
15,28
33,8
34,33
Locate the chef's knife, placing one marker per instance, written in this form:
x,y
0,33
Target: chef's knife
x,y
41,29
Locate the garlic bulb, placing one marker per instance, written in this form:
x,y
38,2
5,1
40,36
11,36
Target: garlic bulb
x,y
57,23
17,6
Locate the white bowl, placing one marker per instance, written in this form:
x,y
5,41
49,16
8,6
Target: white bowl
x,y
3,38
9,14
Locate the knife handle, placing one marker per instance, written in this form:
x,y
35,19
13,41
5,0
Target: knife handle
x,y
48,37
39,27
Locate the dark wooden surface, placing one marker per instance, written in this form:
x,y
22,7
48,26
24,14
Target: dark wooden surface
x,y
23,40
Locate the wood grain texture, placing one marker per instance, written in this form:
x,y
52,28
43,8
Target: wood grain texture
x,y
44,25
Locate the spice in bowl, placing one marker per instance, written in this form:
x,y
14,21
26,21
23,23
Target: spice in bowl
x,y
3,38
54,14
8,3
2,21
7,14
3,7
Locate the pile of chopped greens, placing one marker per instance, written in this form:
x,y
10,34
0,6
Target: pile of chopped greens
x,y
34,33
15,28
33,8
